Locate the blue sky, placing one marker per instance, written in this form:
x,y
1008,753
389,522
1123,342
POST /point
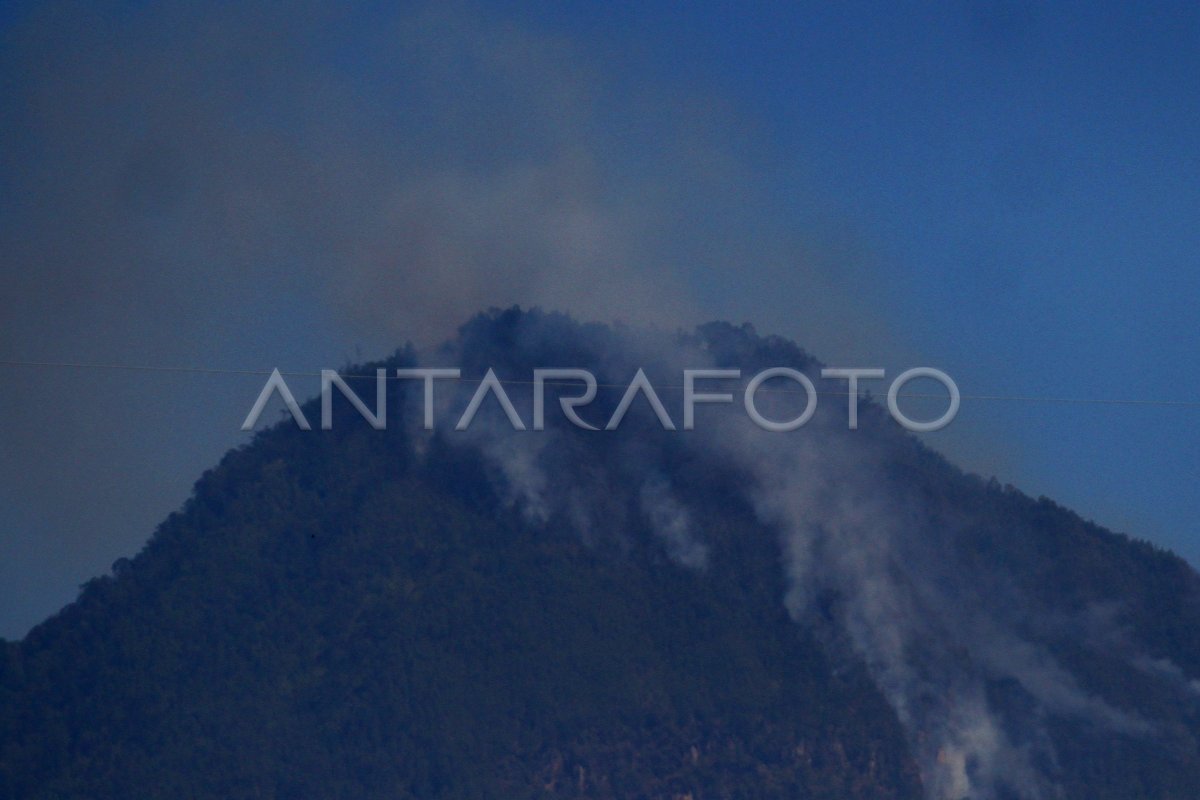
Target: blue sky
x,y
1013,189
1004,190
1024,180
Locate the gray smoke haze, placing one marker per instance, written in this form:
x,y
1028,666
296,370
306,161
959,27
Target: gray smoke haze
x,y
962,650
549,475
934,628
462,174
250,186
932,631
244,186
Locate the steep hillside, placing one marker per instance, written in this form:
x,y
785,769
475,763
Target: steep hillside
x,y
718,613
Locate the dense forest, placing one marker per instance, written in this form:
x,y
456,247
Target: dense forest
x,y
357,613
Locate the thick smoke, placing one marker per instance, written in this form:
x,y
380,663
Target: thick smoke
x,y
964,655
932,632
588,481
247,186
237,187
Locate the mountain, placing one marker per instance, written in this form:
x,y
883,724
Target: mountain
x,y
722,612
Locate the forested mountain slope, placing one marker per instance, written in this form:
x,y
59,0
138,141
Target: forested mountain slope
x,y
718,613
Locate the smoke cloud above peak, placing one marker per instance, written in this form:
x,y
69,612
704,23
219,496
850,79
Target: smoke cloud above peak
x,y
251,186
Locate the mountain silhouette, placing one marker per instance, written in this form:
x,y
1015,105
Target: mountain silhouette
x,y
722,612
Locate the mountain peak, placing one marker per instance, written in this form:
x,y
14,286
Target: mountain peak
x,y
724,611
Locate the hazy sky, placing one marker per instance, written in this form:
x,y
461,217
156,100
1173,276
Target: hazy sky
x,y
1008,191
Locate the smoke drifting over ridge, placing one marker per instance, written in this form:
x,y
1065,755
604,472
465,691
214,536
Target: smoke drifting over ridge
x,y
885,549
227,188
454,169
249,186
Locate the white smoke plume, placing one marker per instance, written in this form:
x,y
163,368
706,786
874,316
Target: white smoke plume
x,y
931,636
861,547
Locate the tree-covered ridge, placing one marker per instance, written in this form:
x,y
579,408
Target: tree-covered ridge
x,y
359,613
307,629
